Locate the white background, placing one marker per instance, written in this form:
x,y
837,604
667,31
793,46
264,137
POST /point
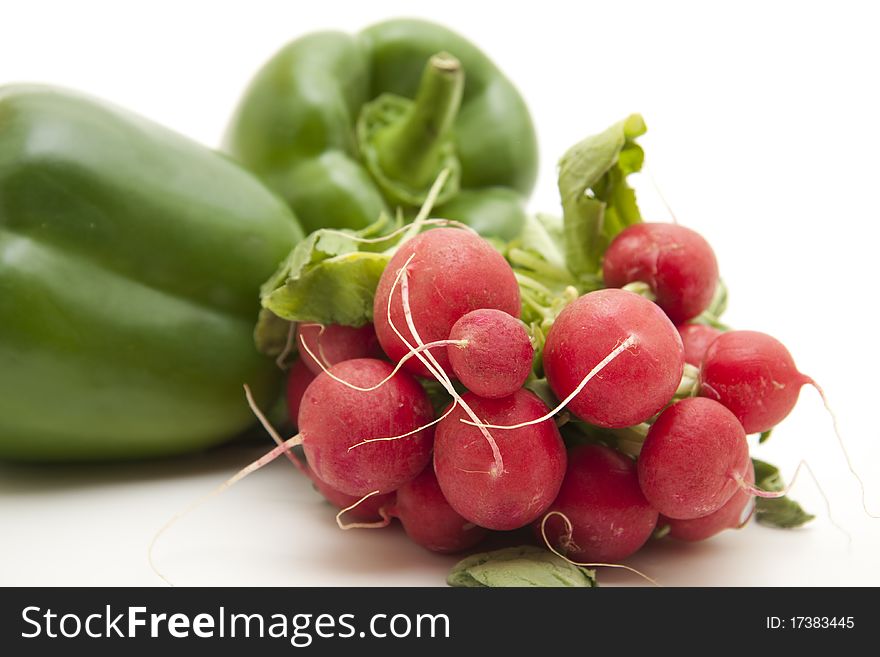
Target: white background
x,y
763,136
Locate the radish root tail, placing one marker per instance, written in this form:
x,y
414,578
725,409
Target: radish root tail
x,y
412,352
408,433
428,360
271,430
234,479
567,539
766,494
288,347
843,448
442,223
386,519
614,353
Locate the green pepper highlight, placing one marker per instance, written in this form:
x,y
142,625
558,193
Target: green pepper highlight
x,y
346,127
130,265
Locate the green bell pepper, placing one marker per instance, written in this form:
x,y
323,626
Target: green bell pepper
x,y
345,127
130,264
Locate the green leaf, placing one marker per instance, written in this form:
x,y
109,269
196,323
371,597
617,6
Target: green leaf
x,y
271,334
781,512
525,566
329,278
543,234
338,290
597,201
767,476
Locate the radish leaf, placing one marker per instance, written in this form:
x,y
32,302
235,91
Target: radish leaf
x,y
524,566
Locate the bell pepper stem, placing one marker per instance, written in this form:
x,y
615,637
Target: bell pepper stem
x,y
411,149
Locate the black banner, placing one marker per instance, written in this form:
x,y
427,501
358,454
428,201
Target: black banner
x,y
430,621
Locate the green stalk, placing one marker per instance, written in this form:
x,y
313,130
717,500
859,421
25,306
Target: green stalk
x,y
411,150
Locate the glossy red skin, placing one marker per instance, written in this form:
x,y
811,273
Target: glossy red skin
x,y
696,339
534,462
634,386
732,515
428,519
690,457
333,417
754,376
337,343
600,495
498,357
453,272
298,379
366,511
676,262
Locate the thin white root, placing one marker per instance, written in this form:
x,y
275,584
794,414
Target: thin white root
x,y
378,240
265,459
422,216
271,430
568,530
619,349
386,520
400,363
772,495
434,367
321,358
843,449
408,433
288,347
656,187
421,219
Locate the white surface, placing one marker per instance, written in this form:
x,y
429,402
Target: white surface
x,y
762,135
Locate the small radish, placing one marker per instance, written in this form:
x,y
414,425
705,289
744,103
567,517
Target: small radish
x,y
610,518
428,519
693,459
676,263
733,515
696,339
754,376
450,273
298,379
494,355
639,382
335,343
333,419
372,509
534,462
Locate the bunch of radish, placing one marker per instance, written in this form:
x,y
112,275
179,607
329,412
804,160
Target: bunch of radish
x,y
493,458
575,383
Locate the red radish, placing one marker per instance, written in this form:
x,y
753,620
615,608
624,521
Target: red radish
x,y
372,509
691,459
452,272
675,262
639,382
754,376
495,356
534,462
600,495
298,379
335,343
696,339
428,519
733,515
333,418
